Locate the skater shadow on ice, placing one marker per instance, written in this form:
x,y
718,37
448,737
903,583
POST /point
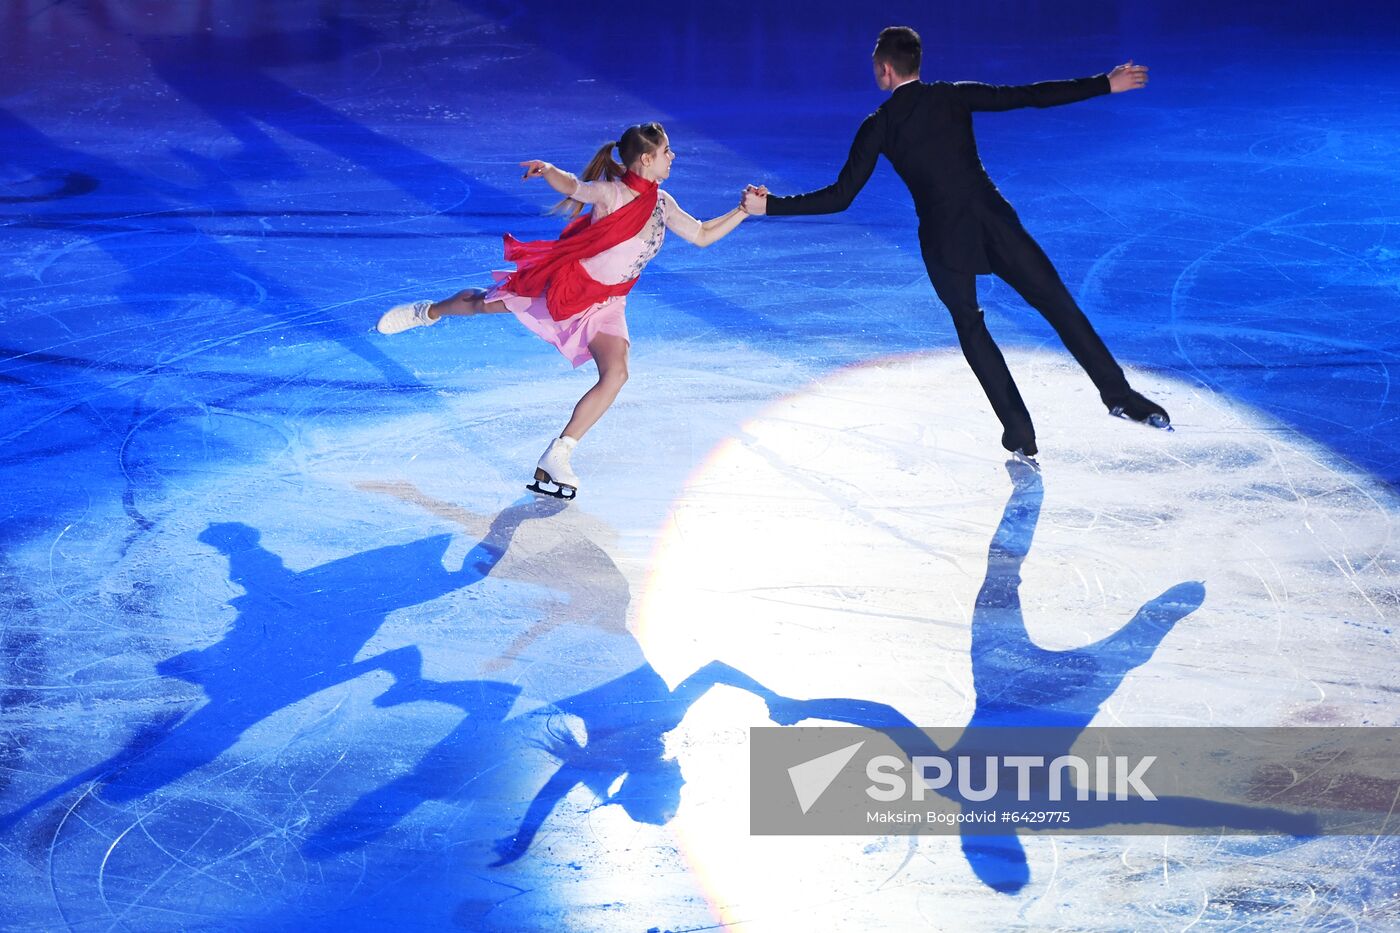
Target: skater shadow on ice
x,y
608,739
296,633
596,593
1042,700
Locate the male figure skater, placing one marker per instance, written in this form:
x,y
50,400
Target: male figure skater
x,y
966,228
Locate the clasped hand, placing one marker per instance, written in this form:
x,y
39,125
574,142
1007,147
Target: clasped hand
x,y
754,199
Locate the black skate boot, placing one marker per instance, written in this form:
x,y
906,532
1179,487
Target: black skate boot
x,y
1022,447
1136,407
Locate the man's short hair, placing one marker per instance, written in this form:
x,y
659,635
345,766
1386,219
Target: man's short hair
x,y
900,48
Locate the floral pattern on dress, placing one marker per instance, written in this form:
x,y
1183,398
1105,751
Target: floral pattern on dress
x,y
651,236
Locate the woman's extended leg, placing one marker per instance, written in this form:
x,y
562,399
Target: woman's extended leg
x,y
424,312
610,353
466,302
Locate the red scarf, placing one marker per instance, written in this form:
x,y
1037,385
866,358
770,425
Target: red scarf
x,y
552,267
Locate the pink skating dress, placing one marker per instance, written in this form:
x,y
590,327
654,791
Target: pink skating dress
x,y
624,261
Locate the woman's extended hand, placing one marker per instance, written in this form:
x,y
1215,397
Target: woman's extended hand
x,y
754,200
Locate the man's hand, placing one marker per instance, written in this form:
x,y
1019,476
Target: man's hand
x,y
755,200
1127,77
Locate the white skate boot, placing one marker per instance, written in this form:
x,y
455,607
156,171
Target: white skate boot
x,y
404,317
554,470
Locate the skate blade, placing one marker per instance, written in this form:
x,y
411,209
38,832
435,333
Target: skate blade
x,y
543,480
1153,420
558,492
1025,459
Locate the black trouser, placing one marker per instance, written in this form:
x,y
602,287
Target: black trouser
x,y
1019,261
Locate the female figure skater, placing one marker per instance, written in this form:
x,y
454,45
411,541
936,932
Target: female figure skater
x,y
572,291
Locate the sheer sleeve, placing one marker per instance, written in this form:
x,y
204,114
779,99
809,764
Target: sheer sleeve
x,y
679,222
599,193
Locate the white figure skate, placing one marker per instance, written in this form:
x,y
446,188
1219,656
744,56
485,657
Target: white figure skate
x,y
554,471
405,317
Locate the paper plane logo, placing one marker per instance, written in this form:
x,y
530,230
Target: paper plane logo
x,y
811,778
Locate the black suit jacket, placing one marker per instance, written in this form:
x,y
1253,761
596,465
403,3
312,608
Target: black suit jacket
x,y
925,130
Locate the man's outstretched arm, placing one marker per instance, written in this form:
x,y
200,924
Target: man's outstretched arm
x,y
834,198
974,96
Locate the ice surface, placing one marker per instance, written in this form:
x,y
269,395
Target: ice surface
x,y
286,646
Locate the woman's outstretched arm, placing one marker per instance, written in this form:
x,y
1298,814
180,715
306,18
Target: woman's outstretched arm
x,y
701,234
561,181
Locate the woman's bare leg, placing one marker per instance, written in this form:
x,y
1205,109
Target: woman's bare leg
x,y
610,353
466,302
